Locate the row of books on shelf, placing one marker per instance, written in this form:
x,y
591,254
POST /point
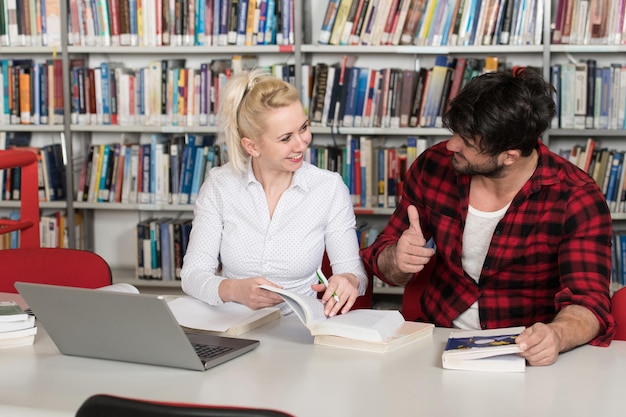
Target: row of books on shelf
x,y
372,170
181,22
50,168
32,92
163,93
162,243
606,167
30,23
589,96
53,231
344,94
170,169
432,22
584,22
158,169
161,246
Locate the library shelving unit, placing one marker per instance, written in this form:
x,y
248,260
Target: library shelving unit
x,y
111,226
39,135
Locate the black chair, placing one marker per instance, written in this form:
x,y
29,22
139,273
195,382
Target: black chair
x,y
103,405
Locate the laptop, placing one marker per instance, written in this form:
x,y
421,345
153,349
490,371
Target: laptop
x,y
138,328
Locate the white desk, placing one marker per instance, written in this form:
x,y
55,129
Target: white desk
x,y
288,372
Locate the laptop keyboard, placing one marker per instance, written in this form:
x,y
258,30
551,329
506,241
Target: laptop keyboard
x,y
210,351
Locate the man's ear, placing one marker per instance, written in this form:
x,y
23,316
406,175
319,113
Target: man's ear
x,y
511,156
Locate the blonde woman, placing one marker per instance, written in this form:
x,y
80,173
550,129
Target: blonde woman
x,y
267,216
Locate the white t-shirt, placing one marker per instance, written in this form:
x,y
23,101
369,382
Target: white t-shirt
x,y
232,224
479,228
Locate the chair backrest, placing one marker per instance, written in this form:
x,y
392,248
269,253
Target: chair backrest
x,y
102,405
56,266
618,309
411,299
28,224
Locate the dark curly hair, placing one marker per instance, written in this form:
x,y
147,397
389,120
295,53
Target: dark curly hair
x,y
503,110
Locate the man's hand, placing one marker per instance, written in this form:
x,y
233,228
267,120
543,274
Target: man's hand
x,y
540,344
573,326
409,255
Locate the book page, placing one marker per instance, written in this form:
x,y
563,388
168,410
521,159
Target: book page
x,y
308,309
120,287
362,324
195,314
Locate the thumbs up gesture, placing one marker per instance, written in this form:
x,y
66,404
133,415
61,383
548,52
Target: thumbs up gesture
x,y
411,251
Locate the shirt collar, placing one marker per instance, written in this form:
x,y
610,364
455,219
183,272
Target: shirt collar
x,y
300,178
547,171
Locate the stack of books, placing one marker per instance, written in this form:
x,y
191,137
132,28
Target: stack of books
x,y
17,328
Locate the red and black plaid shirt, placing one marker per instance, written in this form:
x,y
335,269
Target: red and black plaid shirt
x,y
551,249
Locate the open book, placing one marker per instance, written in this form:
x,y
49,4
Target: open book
x,y
484,350
409,332
365,324
228,319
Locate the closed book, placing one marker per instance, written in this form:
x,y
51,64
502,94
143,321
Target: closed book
x,y
340,20
492,350
319,92
399,22
12,326
334,97
418,97
10,311
349,24
383,9
412,22
359,23
434,91
407,96
568,82
445,93
389,22
368,22
24,337
580,95
409,332
332,83
351,90
591,85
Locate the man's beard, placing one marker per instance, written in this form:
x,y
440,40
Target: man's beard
x,y
489,169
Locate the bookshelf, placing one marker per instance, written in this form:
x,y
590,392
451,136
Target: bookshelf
x,y
109,227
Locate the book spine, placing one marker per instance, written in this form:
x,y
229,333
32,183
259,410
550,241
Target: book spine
x,y
270,24
262,22
242,17
590,99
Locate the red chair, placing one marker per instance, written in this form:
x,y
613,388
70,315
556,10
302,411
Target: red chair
x,y
618,309
30,262
55,266
28,224
102,405
411,299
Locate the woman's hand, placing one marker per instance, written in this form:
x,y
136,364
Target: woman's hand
x,y
345,286
247,292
